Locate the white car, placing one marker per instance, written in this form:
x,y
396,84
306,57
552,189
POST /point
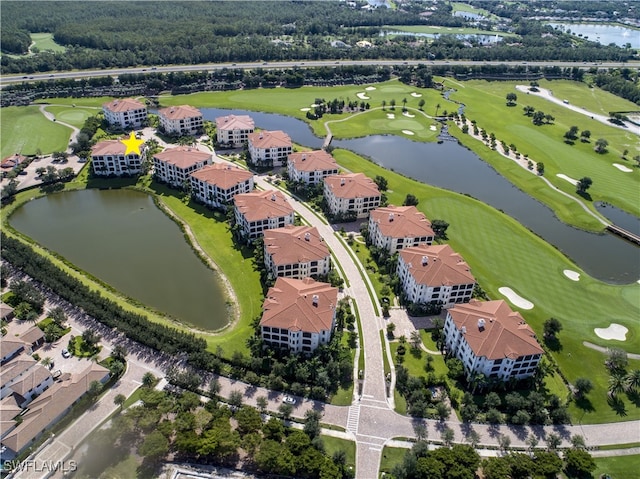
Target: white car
x,y
66,353
289,400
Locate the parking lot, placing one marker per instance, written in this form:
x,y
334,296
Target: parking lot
x,y
31,178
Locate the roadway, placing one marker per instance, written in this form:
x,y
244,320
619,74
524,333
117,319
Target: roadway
x,y
76,74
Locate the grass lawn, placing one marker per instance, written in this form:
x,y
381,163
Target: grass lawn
x,y
94,102
364,255
618,467
485,103
45,42
501,252
72,116
390,457
18,132
333,444
464,7
445,30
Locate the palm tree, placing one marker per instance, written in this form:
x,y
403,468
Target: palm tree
x,y
384,104
437,108
632,381
616,385
47,362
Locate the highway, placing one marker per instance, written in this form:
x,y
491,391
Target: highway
x,y
9,79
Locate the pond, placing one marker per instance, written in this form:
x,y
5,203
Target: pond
x,y
454,167
603,34
122,238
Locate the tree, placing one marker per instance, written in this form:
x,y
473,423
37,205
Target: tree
x,y
439,227
391,327
119,400
504,442
511,99
248,419
393,103
119,352
312,423
553,441
10,189
528,110
384,105
410,200
447,435
154,446
148,380
540,168
546,464
381,181
58,316
601,146
286,410
47,362
437,109
235,398
91,338
421,103
415,340
632,381
583,185
617,360
583,386
538,118
572,134
579,463
616,384
577,442
95,387
262,402
585,135
551,327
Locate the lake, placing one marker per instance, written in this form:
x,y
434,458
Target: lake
x,y
122,238
603,34
454,167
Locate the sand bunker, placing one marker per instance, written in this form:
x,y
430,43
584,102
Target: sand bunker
x,y
622,168
515,298
614,331
568,178
362,96
433,127
313,105
305,109
408,115
370,88
391,116
408,132
572,275
416,95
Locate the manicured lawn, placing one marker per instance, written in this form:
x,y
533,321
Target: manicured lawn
x,y
95,102
618,467
333,444
464,7
72,116
390,457
485,103
364,255
445,30
25,130
45,42
501,252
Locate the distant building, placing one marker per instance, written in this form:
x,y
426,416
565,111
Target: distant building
x,y
298,314
259,211
397,227
12,162
174,165
351,193
435,274
234,130
181,120
125,113
108,158
216,185
269,148
296,252
491,339
311,167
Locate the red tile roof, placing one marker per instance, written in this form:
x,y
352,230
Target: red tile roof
x,y
401,222
352,185
290,305
262,205
317,160
504,334
183,156
235,122
222,175
295,244
443,266
108,147
269,139
179,112
12,161
124,104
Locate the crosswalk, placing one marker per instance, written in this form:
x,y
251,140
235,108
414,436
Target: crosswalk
x,y
353,418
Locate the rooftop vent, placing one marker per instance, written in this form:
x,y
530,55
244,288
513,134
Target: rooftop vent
x,y
273,197
341,181
481,323
463,329
425,260
260,136
315,299
304,157
307,237
391,216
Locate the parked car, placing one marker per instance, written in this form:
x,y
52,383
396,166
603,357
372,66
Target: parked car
x,y
66,353
289,400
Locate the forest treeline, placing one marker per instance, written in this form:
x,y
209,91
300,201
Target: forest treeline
x,y
119,34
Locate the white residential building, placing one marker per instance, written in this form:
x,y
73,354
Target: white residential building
x,y
491,339
311,167
352,193
125,113
174,165
296,252
397,227
435,274
259,211
298,314
217,184
269,148
108,158
234,130
181,120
